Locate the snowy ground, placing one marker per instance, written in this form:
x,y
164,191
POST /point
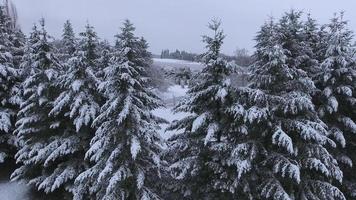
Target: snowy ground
x,y
173,63
171,97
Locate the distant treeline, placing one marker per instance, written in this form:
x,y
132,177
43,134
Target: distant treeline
x,y
180,55
241,56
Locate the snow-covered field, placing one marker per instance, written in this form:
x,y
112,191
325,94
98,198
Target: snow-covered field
x,y
173,63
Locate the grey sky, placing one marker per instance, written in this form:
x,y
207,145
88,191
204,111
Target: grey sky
x,y
174,24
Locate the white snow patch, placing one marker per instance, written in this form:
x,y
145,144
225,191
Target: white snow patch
x,y
174,63
14,191
76,85
212,129
135,147
170,116
199,121
222,93
176,92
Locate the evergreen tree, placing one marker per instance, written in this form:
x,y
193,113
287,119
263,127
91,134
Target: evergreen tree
x,y
146,60
298,38
199,164
68,40
90,42
290,36
77,104
124,153
18,38
312,47
337,98
104,59
265,37
26,61
294,142
44,154
9,78
145,55
323,43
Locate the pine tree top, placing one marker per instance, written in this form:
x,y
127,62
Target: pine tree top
x,y
265,37
68,38
340,51
214,43
68,30
126,39
89,43
5,20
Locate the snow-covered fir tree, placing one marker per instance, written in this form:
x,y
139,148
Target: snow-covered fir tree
x,y
199,165
9,79
145,55
265,37
26,60
290,29
103,60
18,38
90,42
46,155
296,162
297,38
68,42
124,153
78,105
79,83
78,113
337,98
312,47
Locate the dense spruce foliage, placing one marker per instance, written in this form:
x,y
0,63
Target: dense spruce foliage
x,y
125,150
47,140
195,155
11,44
337,98
297,163
77,115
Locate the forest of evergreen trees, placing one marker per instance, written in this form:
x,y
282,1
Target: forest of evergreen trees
x,y
75,114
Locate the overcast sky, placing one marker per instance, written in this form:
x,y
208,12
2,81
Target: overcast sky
x,y
174,24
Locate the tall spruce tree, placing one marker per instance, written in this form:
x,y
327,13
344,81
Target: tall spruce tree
x,y
290,36
198,160
296,163
312,47
26,60
78,83
68,42
19,40
245,143
297,38
124,153
337,98
90,42
104,59
146,59
105,50
9,79
43,155
145,55
77,104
